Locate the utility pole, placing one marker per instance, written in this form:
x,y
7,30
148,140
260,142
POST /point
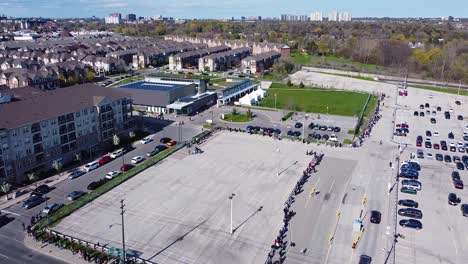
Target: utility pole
x,y
122,211
231,198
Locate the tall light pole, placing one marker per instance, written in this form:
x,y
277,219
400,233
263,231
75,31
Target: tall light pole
x,y
122,211
231,198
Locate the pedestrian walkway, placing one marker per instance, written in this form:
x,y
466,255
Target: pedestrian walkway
x,y
64,255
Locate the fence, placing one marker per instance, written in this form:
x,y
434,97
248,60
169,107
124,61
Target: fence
x,y
359,122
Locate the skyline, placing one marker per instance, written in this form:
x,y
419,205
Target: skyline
x,y
203,9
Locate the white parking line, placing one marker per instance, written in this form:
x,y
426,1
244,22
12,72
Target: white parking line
x,y
5,256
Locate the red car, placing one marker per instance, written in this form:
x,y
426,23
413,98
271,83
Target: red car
x,y
104,160
126,167
418,144
436,146
171,143
458,184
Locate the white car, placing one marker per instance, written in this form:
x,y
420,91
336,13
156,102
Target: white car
x,y
117,153
333,138
112,174
436,134
429,156
451,110
137,159
146,140
91,166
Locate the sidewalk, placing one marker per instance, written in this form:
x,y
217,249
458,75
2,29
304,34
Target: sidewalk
x,y
53,251
51,181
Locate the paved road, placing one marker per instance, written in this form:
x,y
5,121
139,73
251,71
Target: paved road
x,y
12,249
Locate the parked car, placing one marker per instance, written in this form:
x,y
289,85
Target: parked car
x,y
451,135
126,167
460,166
410,212
420,154
104,160
41,190
412,184
411,223
337,129
33,201
460,117
428,144
433,120
161,147
117,153
325,137
439,157
428,133
416,113
75,195
51,208
375,217
96,184
164,140
408,190
146,140
458,184
137,159
171,143
152,152
333,138
439,108
75,174
112,174
447,158
464,209
298,125
91,166
364,259
453,199
408,203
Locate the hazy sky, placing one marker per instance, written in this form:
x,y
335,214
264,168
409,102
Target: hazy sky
x,y
229,8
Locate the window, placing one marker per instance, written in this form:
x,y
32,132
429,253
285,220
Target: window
x,y
78,114
28,151
85,111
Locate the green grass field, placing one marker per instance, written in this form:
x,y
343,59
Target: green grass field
x,y
237,118
440,89
315,100
330,60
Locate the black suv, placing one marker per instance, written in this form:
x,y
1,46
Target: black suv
x,y
96,184
453,199
410,212
41,190
411,223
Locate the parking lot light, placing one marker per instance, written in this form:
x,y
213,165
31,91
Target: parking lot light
x,y
231,199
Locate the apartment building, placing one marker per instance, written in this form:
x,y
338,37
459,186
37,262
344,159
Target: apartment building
x,y
38,128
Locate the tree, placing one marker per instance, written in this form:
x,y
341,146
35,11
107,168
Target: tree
x,y
289,83
323,48
5,187
57,165
132,135
249,113
234,111
89,75
115,140
301,85
32,177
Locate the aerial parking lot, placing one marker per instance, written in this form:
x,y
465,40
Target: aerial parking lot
x,y
179,211
443,237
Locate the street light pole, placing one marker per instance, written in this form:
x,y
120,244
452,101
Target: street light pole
x,y
122,211
231,198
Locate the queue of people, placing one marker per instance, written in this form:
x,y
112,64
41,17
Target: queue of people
x,y
373,121
280,243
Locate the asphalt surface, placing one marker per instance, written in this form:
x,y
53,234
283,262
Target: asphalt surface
x,y
12,249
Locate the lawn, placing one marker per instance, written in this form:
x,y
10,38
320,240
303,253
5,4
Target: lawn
x,y
301,58
442,90
329,61
237,118
314,100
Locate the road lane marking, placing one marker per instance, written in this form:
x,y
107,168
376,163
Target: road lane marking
x,y
9,212
329,191
5,256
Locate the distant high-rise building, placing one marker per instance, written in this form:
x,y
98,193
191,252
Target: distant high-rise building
x,y
303,18
130,17
344,16
316,16
115,18
333,16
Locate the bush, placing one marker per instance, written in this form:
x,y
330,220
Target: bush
x,y
347,141
287,116
289,83
301,85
